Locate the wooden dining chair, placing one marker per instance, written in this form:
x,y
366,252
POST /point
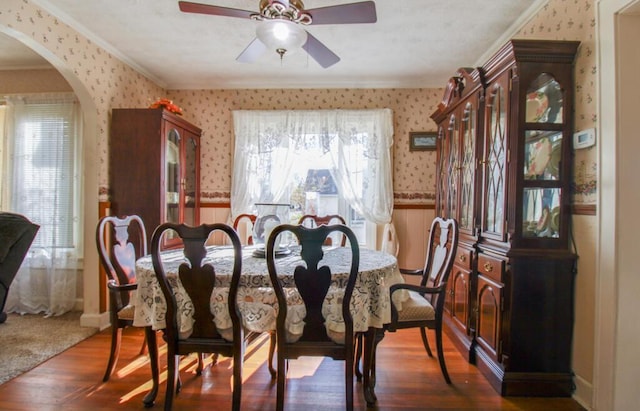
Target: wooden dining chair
x,y
425,305
248,228
120,241
272,340
312,220
310,286
198,281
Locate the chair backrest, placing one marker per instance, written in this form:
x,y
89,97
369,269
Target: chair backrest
x,y
121,241
197,279
313,282
443,243
249,227
317,220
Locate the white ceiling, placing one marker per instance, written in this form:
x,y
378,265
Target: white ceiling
x,y
414,43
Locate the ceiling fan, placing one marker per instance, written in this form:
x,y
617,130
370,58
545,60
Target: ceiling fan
x,y
281,25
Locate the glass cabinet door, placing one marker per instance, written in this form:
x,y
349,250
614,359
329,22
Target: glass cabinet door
x,y
172,176
542,168
190,182
452,168
467,167
495,161
443,157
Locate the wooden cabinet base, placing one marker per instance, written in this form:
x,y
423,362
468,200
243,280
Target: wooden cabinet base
x,y
525,384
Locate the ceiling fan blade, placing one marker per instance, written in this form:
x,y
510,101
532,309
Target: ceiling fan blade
x,y
353,13
319,52
189,7
251,53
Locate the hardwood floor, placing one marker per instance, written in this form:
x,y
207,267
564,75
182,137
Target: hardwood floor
x,y
407,380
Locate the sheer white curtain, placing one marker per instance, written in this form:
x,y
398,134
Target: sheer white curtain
x,y
358,143
41,181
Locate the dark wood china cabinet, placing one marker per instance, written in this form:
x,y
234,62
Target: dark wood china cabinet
x,y
154,168
457,151
504,164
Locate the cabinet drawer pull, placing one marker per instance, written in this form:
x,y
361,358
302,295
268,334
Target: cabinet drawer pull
x,y
488,267
462,258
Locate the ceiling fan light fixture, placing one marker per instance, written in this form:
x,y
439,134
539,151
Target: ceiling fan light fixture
x,y
281,35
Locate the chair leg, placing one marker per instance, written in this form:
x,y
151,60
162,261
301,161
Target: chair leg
x,y
152,345
443,366
272,350
237,378
178,379
200,366
281,377
358,356
116,338
172,369
425,341
349,383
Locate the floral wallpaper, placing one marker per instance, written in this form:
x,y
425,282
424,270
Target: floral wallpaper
x,y
575,20
107,81
110,84
414,172
211,110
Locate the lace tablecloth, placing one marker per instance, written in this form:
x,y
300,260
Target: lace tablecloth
x,y
370,304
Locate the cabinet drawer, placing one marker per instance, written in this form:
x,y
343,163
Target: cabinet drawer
x,y
491,267
464,257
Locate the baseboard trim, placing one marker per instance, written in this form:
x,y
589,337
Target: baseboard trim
x,y
100,321
583,393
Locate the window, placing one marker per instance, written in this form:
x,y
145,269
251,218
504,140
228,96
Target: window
x,y
41,167
41,181
321,162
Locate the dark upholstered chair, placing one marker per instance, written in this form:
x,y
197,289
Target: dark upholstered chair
x,y
312,284
198,281
425,306
312,220
120,241
16,235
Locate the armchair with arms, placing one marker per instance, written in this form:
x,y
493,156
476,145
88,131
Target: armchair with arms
x,y
425,305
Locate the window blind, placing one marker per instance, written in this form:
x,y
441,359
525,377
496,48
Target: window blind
x,y
43,166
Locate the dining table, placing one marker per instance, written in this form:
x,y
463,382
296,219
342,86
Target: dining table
x,y
370,305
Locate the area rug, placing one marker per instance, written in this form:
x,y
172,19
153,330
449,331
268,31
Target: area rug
x,y
29,340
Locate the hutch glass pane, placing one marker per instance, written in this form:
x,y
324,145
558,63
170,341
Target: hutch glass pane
x,y
542,155
172,179
544,101
442,180
468,125
541,212
495,162
452,171
190,181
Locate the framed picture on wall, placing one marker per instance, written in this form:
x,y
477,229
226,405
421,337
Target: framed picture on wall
x,y
422,140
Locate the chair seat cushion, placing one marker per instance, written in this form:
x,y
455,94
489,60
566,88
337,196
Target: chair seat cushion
x,y
416,308
127,312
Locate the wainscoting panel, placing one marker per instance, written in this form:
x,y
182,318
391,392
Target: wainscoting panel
x,y
211,213
412,227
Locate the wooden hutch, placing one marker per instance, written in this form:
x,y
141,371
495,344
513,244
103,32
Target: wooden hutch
x,y
154,168
504,172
